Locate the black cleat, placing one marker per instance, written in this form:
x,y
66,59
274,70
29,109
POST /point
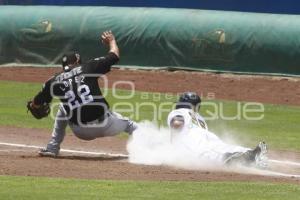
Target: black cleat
x,y
48,153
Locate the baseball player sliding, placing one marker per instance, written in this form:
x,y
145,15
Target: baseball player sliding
x,y
82,105
186,121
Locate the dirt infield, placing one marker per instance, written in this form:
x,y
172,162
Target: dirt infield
x,y
26,162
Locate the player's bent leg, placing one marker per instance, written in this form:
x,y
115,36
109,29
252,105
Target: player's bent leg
x,y
112,125
83,133
58,134
256,157
130,126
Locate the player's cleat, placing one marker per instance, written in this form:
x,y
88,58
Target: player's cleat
x,y
48,153
255,157
261,159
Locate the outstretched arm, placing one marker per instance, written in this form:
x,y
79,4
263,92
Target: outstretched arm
x,y
44,96
102,65
39,106
109,39
177,122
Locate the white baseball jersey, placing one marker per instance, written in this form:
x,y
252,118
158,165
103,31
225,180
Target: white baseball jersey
x,y
195,136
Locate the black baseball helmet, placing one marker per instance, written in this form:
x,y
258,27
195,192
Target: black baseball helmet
x,y
70,58
189,100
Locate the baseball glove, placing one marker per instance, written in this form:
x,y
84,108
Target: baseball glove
x,y
40,111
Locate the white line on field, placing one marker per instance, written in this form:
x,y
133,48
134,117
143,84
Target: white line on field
x,y
285,162
67,150
271,173
114,155
10,150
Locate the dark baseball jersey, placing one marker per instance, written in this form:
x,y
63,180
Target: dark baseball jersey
x,y
78,90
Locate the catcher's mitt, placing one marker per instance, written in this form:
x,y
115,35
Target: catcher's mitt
x,y
40,111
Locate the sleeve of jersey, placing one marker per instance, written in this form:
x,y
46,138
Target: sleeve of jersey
x,y
102,65
44,96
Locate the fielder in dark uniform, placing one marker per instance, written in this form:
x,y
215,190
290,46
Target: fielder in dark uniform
x,y
82,105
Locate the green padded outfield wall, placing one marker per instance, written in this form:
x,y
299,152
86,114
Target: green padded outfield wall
x,y
153,37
